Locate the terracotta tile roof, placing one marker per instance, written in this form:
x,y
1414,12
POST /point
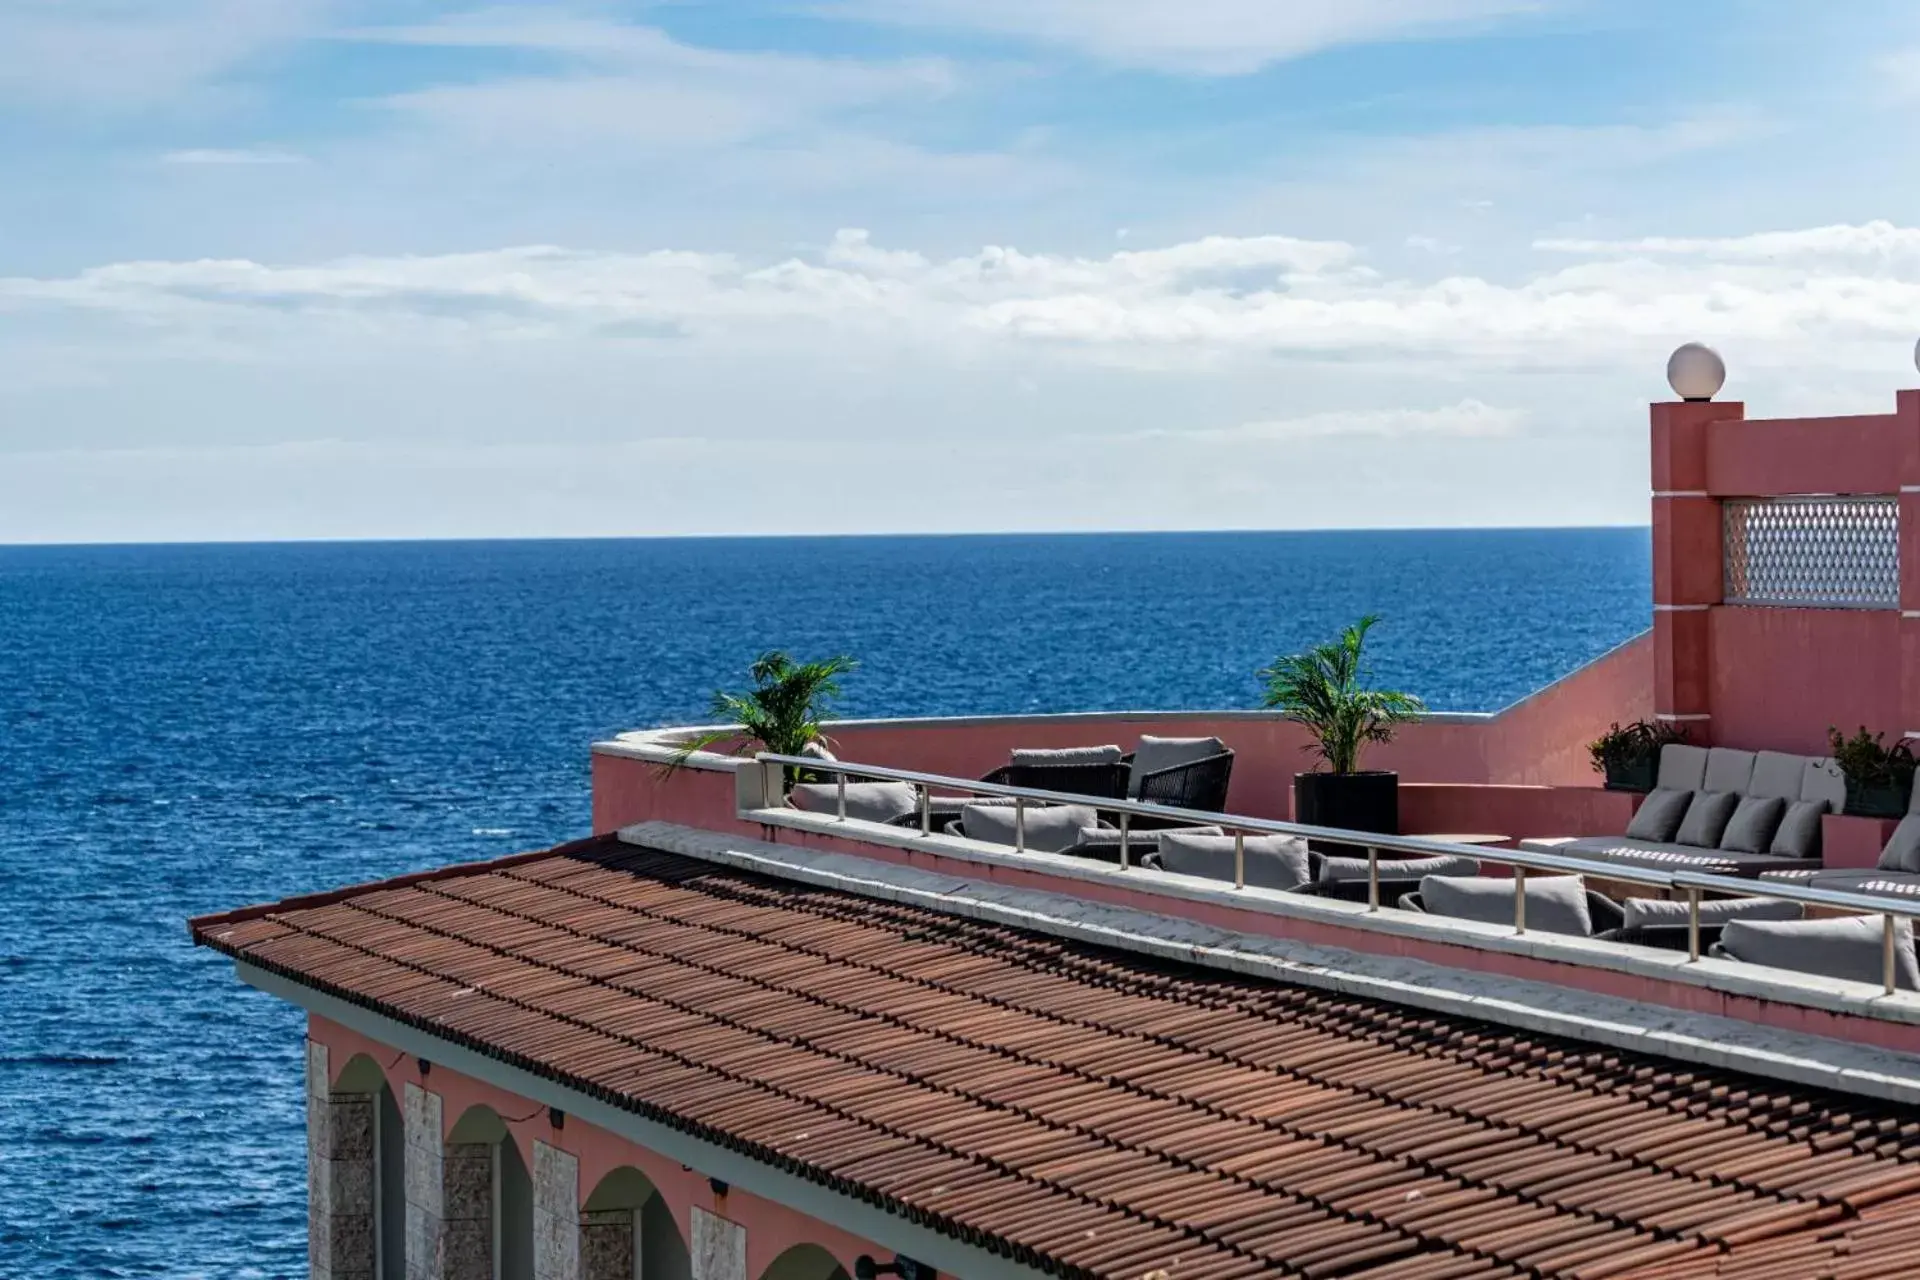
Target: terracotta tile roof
x,y
1098,1112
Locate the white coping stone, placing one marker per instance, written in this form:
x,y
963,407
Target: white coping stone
x,y
1541,1007
719,1247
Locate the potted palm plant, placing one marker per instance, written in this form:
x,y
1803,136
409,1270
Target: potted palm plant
x,y
781,713
1327,689
1879,777
1629,755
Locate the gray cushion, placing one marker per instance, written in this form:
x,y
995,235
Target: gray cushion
x,y
1659,815
1443,864
1154,754
1662,857
1138,841
1824,781
1555,904
1707,819
1847,947
1728,770
1066,755
1272,862
1754,821
1902,851
1050,828
817,750
1775,773
1682,768
1641,912
1895,884
868,801
1798,835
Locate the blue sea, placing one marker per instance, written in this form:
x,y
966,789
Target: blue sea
x,y
190,728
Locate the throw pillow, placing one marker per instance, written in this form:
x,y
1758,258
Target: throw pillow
x,y
1641,913
1065,755
1555,904
1798,835
1707,819
1903,847
1847,947
1272,862
867,801
1052,828
1659,816
1754,821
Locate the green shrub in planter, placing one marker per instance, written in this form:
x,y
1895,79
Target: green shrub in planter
x,y
1629,755
1879,777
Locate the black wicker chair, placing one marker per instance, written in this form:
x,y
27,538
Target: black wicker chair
x,y
1200,785
1104,780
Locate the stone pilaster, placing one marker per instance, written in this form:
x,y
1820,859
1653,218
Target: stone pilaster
x,y
719,1247
340,1230
466,1228
426,1202
556,1213
610,1244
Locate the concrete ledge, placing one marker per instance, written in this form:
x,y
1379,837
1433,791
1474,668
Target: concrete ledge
x,y
661,746
1781,986
1535,1006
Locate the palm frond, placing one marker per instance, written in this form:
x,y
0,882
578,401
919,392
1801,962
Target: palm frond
x,y
781,713
1325,689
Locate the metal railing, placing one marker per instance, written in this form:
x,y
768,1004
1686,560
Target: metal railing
x,y
1692,884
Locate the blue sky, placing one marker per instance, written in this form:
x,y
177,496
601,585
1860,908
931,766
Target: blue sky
x,y
320,268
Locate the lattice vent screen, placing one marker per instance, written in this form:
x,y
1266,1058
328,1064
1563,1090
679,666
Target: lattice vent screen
x,y
1817,553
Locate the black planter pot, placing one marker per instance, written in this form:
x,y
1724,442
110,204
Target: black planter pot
x,y
1367,801
1633,775
1876,799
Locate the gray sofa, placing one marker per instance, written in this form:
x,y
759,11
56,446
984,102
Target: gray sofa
x,y
1896,874
1722,811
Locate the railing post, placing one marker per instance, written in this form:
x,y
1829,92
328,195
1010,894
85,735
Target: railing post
x,y
1239,859
926,810
1519,899
1887,966
1126,853
1693,924
1373,878
1019,824
843,795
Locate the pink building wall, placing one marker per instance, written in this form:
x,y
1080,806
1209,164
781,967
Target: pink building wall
x,y
1777,678
772,1228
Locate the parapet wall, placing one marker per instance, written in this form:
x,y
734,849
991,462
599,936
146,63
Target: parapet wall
x,y
1814,523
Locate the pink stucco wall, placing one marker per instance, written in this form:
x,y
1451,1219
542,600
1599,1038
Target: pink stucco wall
x,y
1777,678
772,1228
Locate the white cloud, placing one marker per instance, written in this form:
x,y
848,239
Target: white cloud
x,y
1224,37
1469,419
1195,303
634,84
1901,70
232,156
1871,240
129,53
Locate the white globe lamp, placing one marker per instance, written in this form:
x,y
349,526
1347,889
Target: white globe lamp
x,y
1696,372
1916,355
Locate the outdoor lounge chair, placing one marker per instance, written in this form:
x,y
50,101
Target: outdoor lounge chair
x,y
1722,812
1555,904
1849,948
1346,879
1896,874
1185,773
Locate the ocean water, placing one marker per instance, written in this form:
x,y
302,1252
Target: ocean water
x,y
193,728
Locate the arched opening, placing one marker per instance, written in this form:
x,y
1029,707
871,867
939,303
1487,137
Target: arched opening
x,y
805,1262
362,1077
487,1196
627,1232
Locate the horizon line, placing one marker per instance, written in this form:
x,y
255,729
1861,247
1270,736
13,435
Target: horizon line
x,y
451,539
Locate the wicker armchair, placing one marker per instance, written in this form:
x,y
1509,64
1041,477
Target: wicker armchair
x,y
1199,785
1105,780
